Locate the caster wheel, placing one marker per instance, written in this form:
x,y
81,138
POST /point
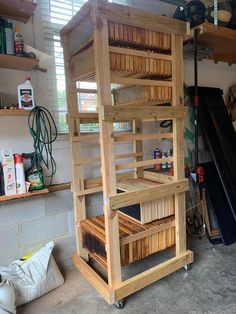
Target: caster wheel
x,y
187,267
120,304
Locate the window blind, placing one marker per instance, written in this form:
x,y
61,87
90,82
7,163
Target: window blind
x,y
53,15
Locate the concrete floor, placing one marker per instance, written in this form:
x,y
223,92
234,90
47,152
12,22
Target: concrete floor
x,y
210,287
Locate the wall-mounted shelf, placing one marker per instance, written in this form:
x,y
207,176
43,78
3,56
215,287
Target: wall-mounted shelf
x,y
220,39
14,112
6,198
17,63
20,10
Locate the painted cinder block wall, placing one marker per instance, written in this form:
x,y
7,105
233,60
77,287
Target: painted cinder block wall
x,y
25,225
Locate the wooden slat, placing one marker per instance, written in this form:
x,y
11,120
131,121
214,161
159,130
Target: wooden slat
x,y
140,53
115,114
146,233
158,177
97,181
140,137
17,63
142,163
89,191
143,82
86,91
98,159
147,194
85,138
59,187
149,276
95,280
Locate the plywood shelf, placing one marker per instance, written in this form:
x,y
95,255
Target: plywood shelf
x,y
20,10
220,39
17,63
14,112
6,198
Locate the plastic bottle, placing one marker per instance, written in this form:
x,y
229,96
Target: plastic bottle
x,y
2,36
18,42
20,174
9,38
26,95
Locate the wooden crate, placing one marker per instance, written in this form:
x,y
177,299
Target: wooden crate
x,y
160,94
136,241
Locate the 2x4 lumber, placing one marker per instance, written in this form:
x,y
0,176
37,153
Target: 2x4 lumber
x,y
140,137
178,142
157,177
102,68
143,82
149,276
86,91
140,53
131,16
93,278
138,146
84,117
77,173
98,159
89,191
147,194
115,114
146,233
85,138
142,163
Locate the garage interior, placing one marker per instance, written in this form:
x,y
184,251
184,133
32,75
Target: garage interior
x,y
117,149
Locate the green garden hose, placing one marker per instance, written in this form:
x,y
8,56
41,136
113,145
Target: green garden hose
x,y
43,129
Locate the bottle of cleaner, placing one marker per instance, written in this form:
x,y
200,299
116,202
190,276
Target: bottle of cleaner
x,y
20,174
9,38
26,95
18,42
8,171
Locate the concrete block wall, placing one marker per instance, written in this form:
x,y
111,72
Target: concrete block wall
x,y
27,224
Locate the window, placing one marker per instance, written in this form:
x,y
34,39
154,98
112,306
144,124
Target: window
x,y
54,14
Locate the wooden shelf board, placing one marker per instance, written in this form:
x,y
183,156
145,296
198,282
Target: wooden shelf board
x,y
220,39
6,198
17,63
20,10
14,112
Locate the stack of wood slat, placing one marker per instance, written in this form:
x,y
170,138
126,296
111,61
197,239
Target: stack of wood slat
x,y
121,34
136,241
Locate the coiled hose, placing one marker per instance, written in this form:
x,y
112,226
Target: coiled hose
x,y
44,132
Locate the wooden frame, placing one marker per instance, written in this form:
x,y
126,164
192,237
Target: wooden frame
x,y
99,14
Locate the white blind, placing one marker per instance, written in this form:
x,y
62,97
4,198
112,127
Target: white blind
x,y
54,14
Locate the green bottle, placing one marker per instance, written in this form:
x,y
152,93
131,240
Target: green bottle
x,y
2,36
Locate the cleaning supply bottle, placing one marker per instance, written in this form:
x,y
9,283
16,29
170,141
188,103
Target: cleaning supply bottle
x,y
9,38
2,36
20,174
18,42
26,95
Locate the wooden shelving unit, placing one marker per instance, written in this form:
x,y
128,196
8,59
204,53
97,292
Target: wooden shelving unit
x,y
6,198
14,112
110,43
17,63
220,39
20,10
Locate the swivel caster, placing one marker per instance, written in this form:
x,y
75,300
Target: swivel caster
x,y
120,304
187,267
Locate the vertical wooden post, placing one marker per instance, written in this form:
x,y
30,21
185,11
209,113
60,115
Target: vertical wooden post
x,y
178,141
138,146
102,68
76,152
